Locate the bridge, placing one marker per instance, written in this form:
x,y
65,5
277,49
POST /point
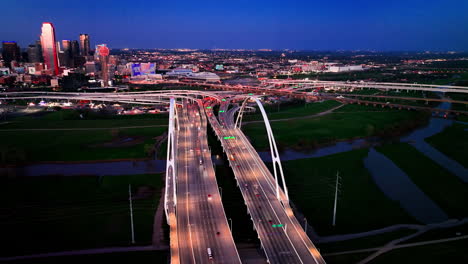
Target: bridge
x,y
199,232
298,85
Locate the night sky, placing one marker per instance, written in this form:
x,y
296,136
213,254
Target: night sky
x,y
438,25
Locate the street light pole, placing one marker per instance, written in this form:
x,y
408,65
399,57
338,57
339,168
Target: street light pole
x,y
336,197
305,225
131,212
230,220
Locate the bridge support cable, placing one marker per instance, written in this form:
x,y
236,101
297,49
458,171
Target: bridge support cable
x,y
240,114
277,167
170,198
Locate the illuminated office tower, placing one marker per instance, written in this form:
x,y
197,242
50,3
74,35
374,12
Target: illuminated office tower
x,y
49,47
84,44
67,50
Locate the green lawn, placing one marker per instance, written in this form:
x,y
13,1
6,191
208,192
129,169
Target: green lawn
x,y
298,110
347,258
71,119
453,142
46,214
445,189
158,257
361,205
460,97
78,145
364,91
350,121
365,242
441,233
448,252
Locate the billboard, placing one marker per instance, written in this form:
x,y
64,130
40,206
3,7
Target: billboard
x,y
139,69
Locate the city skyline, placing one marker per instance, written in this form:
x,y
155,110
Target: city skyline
x,y
363,25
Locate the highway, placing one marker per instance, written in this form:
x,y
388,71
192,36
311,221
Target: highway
x,y
281,236
199,211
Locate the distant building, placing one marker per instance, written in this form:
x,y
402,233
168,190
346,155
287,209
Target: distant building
x,y
10,52
336,68
75,48
35,52
102,51
49,48
67,50
4,71
84,45
91,67
203,76
140,69
180,72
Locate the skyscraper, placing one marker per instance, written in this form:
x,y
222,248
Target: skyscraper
x,y
75,48
66,45
84,44
35,52
49,47
10,52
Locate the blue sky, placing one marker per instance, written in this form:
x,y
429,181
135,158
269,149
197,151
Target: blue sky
x,y
294,24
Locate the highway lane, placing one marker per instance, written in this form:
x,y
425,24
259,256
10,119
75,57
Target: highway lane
x,y
200,214
287,243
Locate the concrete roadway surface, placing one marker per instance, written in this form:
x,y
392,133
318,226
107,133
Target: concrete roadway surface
x,y
287,243
199,211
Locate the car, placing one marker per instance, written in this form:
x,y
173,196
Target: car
x,y
209,196
218,233
210,256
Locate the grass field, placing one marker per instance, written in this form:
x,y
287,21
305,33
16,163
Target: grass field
x,y
125,257
448,252
452,136
361,205
68,118
350,121
365,242
298,110
445,189
46,214
441,233
346,259
78,145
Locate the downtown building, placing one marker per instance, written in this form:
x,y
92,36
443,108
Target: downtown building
x,y
35,52
10,52
84,45
49,48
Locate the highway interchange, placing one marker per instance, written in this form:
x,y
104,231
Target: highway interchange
x,y
199,230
